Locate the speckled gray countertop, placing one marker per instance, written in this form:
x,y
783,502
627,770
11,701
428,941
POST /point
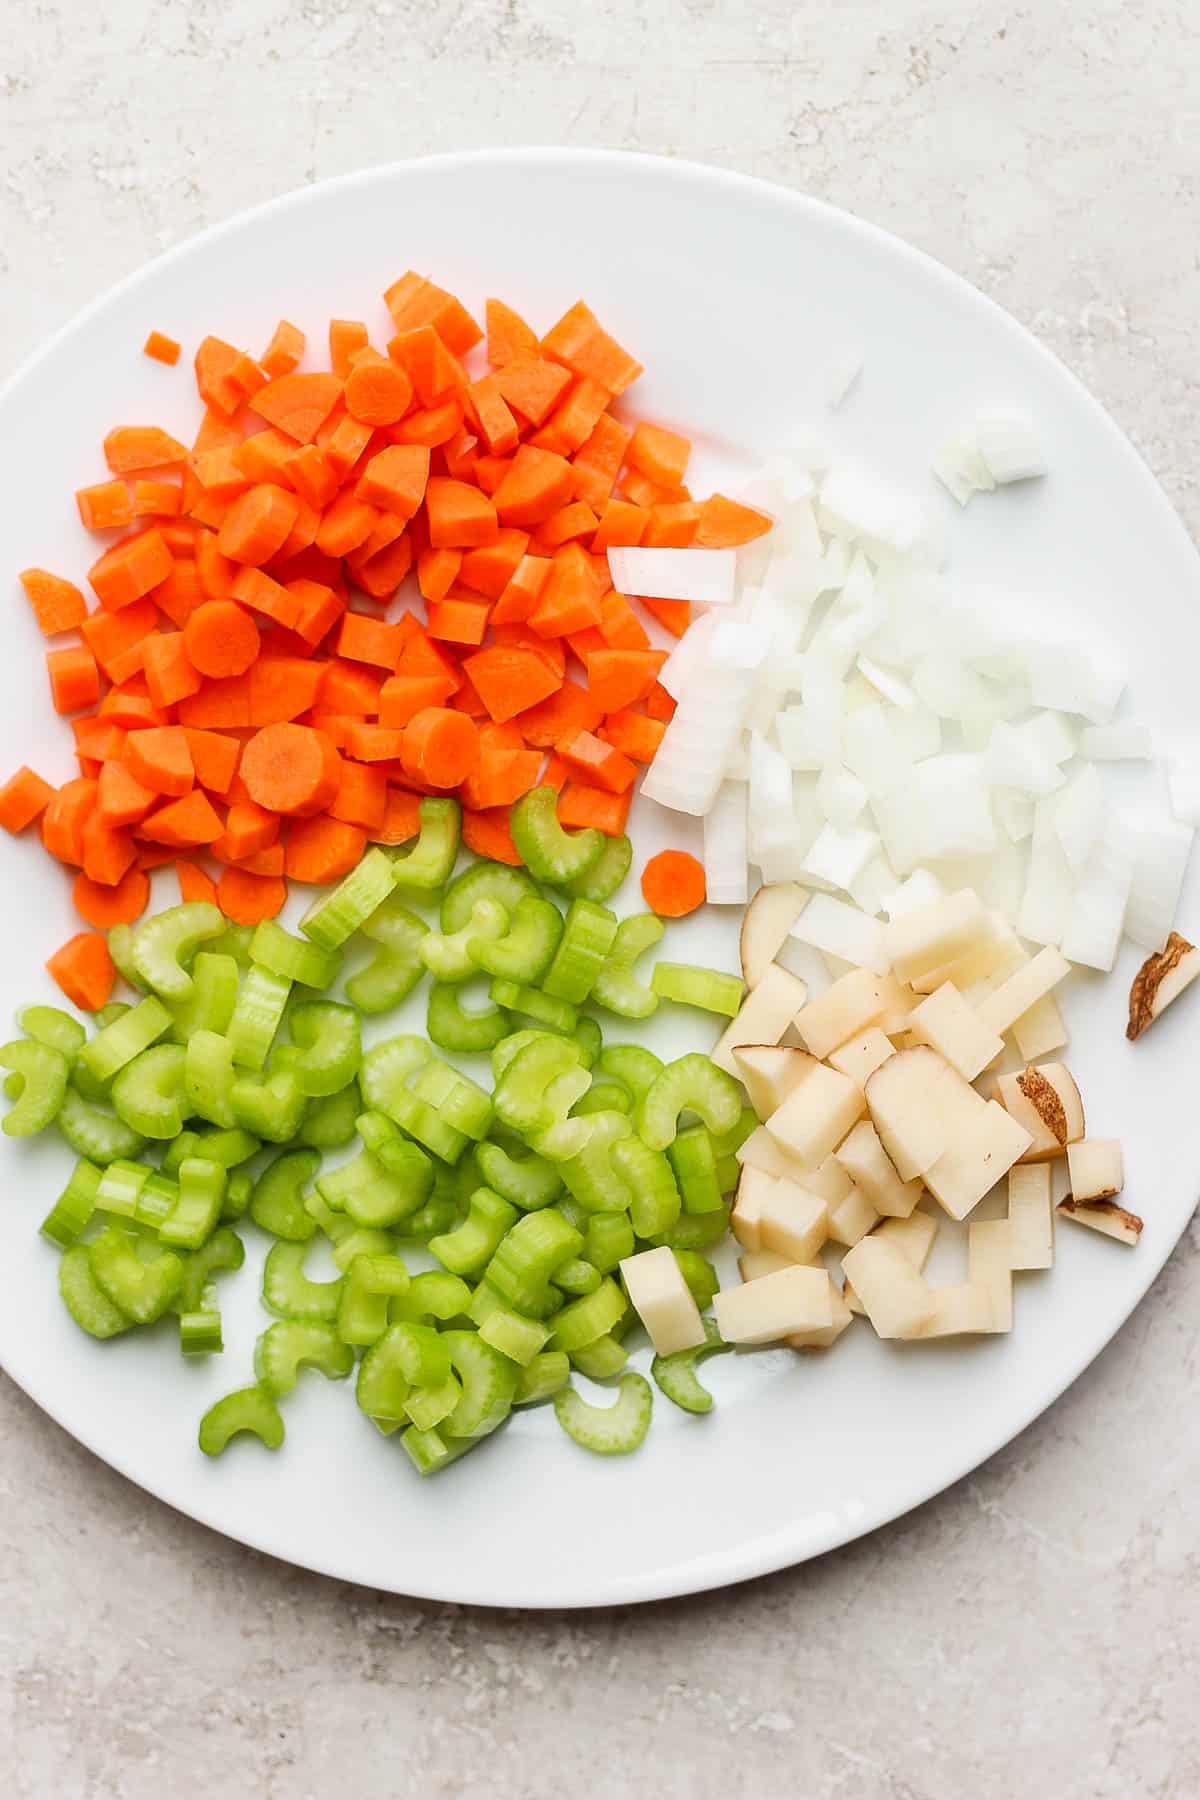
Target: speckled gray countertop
x,y
1034,1631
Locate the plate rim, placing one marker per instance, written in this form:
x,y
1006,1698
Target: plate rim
x,y
775,1551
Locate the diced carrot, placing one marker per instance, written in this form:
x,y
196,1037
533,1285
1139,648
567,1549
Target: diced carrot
x,y
437,571
532,387
310,473
265,456
382,573
432,369
659,454
403,696
129,705
347,688
361,796
214,573
521,595
644,492
510,680
291,769
259,523
460,517
673,884
156,499
74,678
132,449
724,524
487,834
575,418
183,823
413,301
522,637
248,828
508,336
488,473
154,856
460,454
490,569
282,687
581,806
676,615
570,599
371,743
216,432
215,362
597,462
345,337
673,525
169,674
505,771
117,640
378,393
441,746
467,699
194,884
298,404
284,350
367,640
108,850
536,485
218,706
130,569
161,759
575,520
579,342
66,814
221,638
105,906
215,758
84,970
620,627
321,849
432,425
162,348
596,762
97,737
121,799
401,818
620,678
23,798
489,415
395,479
104,506
346,522
180,593
318,610
342,441
458,621
571,708
58,605
633,734
621,522
247,898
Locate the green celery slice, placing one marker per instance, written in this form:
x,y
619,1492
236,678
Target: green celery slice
x,y
292,958
277,1204
608,1430
676,1375
42,1073
85,1299
427,863
526,951
483,881
72,1211
709,989
256,1017
328,1034
285,1348
588,936
248,1410
548,852
335,917
289,1292
606,874
690,1083
163,944
615,987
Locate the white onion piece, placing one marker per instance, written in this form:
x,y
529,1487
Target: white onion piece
x,y
921,889
725,846
688,656
1183,781
1161,852
1122,742
1008,445
870,750
841,796
839,930
1052,734
916,732
886,685
960,467
1067,679
1097,911
856,503
1079,817
1013,813
875,883
1016,760
704,576
949,798
1048,886
838,858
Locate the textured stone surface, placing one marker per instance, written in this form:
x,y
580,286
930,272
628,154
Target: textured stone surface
x,y
1036,1629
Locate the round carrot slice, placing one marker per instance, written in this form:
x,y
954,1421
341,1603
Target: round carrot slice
x,y
291,769
220,639
247,898
673,884
120,904
441,746
378,393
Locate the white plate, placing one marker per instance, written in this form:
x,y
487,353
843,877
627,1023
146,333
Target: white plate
x,y
737,296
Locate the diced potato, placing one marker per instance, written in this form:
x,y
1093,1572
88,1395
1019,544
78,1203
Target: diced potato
x,y
913,1237
765,1014
852,1003
931,936
947,1024
852,1218
766,922
817,1114
896,1298
746,1218
775,1306
828,1181
900,1000
1096,1167
872,1171
769,1073
1045,1100
915,1101
862,1055
760,1151
1014,997
976,1158
662,1300
989,1266
793,1222
754,1263
993,958
826,1335
1104,1216
1030,1217
962,1309
1040,1031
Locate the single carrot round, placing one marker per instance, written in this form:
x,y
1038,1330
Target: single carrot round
x,y
247,899
378,393
221,639
673,884
291,769
104,906
441,746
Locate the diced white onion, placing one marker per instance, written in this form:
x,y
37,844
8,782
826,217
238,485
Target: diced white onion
x,y
1079,817
725,846
704,576
1125,741
1097,911
1161,852
1183,780
838,858
1008,445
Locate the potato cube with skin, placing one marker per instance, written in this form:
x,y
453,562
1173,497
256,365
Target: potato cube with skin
x,y
979,1154
1096,1168
793,1222
896,1297
989,1266
825,1335
1045,1100
1104,1216
963,1309
914,1100
1030,1217
1014,997
766,922
852,1218
853,1002
872,1171
946,1023
746,1218
931,936
775,1306
862,1055
769,1072
764,1016
817,1114
662,1300
754,1263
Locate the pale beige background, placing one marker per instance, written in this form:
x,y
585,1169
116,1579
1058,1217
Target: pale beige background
x,y
1035,1631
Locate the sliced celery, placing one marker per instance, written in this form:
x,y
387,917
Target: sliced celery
x,y
522,1097
447,955
141,1290
607,1240
335,917
465,1250
551,1014
615,986
696,1231
709,989
458,1101
577,1277
542,1378
50,1025
194,1216
229,1148
328,1123
260,1005
284,1349
165,943
690,1083
483,881
250,1410
288,1291
528,1181
517,1338
149,1094
548,852
85,1299
405,1357
433,1294
372,1194
702,1279
527,949
606,874
600,1360
588,1036
583,1321
592,1176
632,1064
608,1430
200,1330
676,1376
431,1450
363,1309
328,1035
587,938
271,1106
291,958
603,1096
397,966
386,1068
42,1073
489,1382
209,1006
72,1211
277,1203
120,948
691,1157
453,1028
116,1046
223,1251
426,864
208,1078
527,1255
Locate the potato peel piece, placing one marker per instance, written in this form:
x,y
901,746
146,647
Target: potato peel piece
x,y
1160,980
